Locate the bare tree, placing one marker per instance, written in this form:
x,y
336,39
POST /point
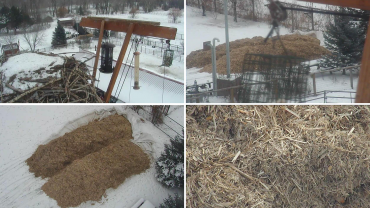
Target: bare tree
x,y
174,14
133,12
9,39
35,38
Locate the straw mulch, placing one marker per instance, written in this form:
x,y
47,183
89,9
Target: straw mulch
x,y
88,178
278,156
303,46
83,163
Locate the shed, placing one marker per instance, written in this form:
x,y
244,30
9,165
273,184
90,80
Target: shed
x,y
10,49
66,22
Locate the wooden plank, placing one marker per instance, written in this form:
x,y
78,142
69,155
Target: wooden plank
x,y
108,93
98,52
140,29
363,88
360,4
128,21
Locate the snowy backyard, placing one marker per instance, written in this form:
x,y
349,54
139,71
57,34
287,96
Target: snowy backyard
x,y
24,128
159,84
329,87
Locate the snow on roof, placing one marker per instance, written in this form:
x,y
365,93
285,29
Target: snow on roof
x,y
65,19
9,47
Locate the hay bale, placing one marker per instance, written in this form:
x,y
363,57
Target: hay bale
x,y
51,158
290,156
88,178
84,163
302,46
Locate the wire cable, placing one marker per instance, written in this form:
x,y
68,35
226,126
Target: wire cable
x,y
124,68
136,46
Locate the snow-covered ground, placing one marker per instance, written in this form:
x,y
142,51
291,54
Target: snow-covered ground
x,y
205,28
147,61
28,65
24,128
200,29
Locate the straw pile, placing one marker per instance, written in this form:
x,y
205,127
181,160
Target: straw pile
x,y
84,163
303,46
278,156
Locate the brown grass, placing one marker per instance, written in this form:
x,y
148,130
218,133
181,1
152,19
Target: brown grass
x,y
290,156
303,46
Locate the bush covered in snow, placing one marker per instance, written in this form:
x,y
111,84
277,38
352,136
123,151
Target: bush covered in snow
x,y
173,202
170,165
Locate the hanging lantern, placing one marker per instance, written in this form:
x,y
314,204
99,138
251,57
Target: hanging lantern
x,y
136,74
168,55
106,58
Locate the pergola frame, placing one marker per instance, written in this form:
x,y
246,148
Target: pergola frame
x,y
142,28
363,88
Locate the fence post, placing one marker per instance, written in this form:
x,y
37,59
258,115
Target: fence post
x,y
314,83
232,95
350,74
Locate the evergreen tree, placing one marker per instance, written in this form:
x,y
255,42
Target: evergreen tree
x,y
16,18
59,36
173,202
345,39
5,18
170,165
81,11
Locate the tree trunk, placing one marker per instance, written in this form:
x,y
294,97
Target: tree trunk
x,y
204,9
235,14
253,12
215,5
199,4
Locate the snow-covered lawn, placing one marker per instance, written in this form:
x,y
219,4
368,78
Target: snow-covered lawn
x,y
24,128
147,61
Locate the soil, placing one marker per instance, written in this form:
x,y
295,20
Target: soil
x,y
83,163
303,46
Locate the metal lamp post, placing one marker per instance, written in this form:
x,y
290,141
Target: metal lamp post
x,y
227,40
214,66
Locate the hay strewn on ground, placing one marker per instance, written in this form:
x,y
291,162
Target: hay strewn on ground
x,y
303,46
84,163
290,156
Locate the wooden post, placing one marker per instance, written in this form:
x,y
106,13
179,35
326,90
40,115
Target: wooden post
x,y
313,22
363,88
292,20
98,52
108,93
232,95
314,83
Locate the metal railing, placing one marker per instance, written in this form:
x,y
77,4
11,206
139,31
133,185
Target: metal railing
x,y
202,92
169,126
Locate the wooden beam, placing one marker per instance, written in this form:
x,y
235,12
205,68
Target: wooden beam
x,y
128,21
360,4
363,88
108,93
140,29
98,52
